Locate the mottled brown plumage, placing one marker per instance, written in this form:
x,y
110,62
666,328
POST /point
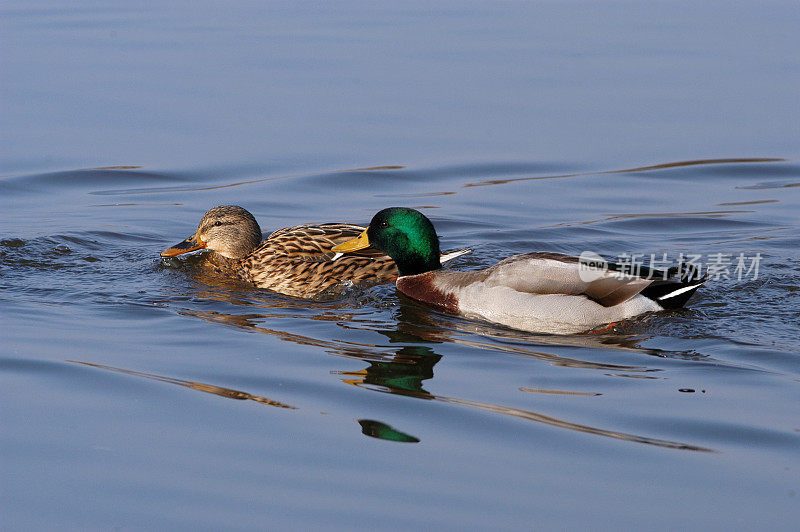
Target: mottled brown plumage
x,y
295,261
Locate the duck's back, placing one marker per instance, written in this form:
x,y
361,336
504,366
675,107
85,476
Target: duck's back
x,y
297,261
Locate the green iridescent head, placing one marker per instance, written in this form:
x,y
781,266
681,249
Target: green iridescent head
x,y
408,237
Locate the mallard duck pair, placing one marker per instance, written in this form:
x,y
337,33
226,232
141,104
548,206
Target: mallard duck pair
x,y
537,292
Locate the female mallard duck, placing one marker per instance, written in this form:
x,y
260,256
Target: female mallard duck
x,y
295,261
536,292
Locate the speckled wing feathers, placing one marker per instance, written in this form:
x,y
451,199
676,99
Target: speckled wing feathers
x,y
297,261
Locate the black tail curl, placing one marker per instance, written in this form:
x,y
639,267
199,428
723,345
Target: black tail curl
x,y
677,287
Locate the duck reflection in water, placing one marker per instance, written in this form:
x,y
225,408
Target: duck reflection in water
x,y
403,374
382,431
199,386
402,369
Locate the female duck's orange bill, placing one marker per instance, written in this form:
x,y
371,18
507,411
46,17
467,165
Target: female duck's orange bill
x,y
190,244
360,242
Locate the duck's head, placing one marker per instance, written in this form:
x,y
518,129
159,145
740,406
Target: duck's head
x,y
228,230
406,235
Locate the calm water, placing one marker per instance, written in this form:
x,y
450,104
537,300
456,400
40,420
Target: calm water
x,y
143,394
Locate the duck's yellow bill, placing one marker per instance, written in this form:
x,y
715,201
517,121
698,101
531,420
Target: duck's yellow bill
x,y
190,244
360,242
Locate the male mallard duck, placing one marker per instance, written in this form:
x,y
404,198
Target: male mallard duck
x,y
295,261
536,292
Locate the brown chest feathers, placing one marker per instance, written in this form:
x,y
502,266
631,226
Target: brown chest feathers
x,y
422,288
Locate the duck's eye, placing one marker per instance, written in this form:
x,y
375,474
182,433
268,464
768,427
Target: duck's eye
x,y
217,223
384,224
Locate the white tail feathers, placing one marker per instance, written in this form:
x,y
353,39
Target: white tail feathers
x,y
454,254
679,291
444,258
